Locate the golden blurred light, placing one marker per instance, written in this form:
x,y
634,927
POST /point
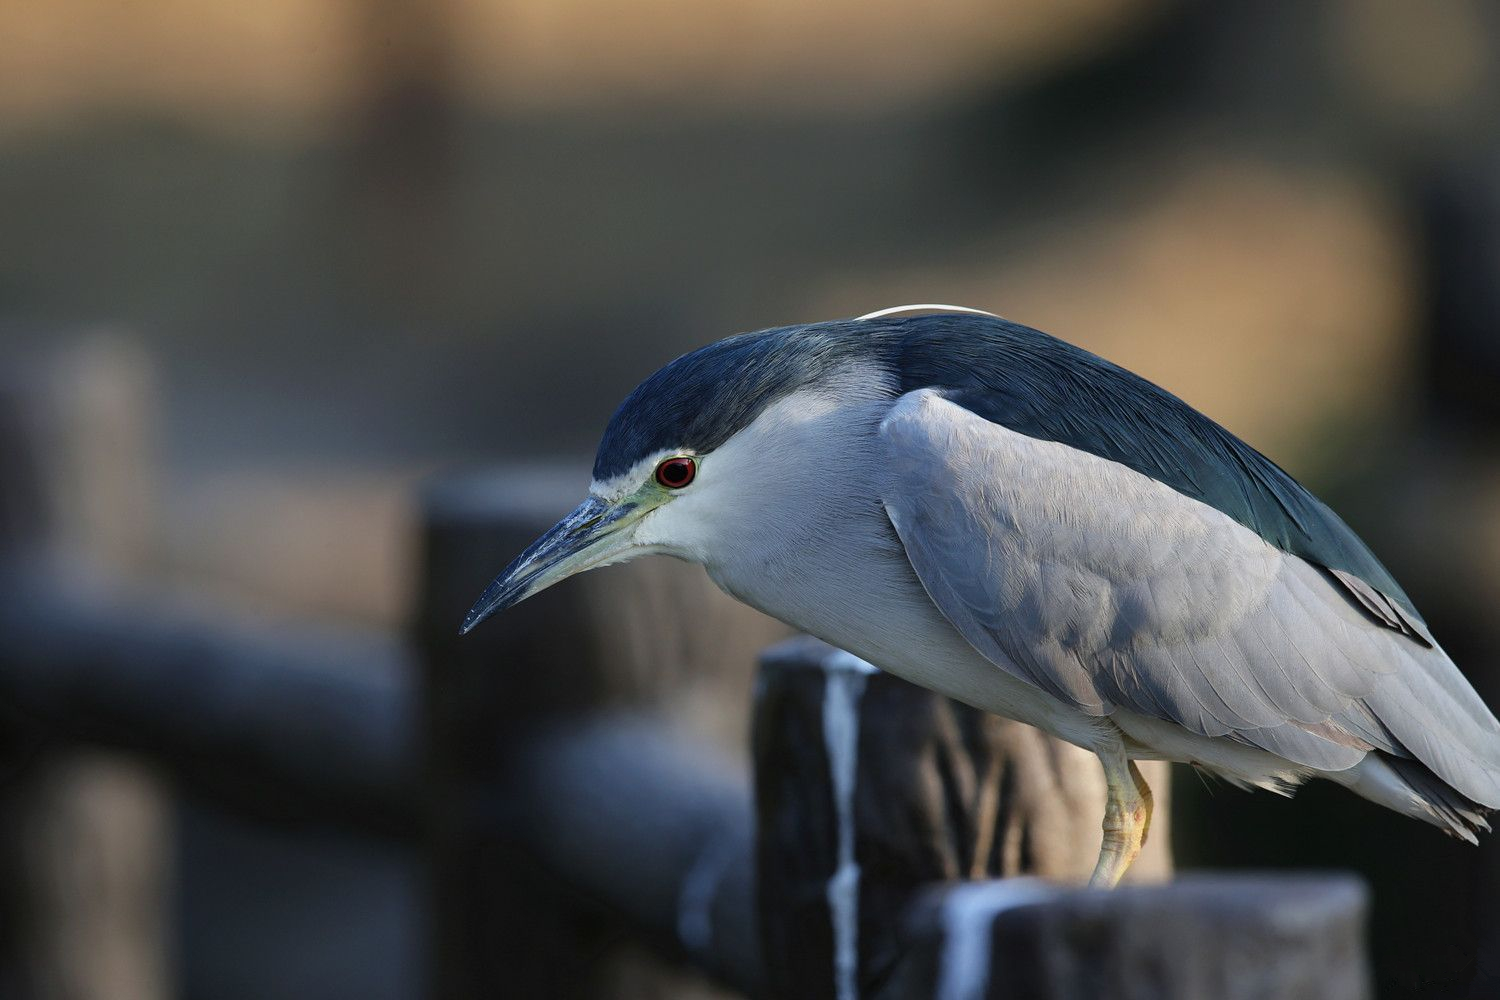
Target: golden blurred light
x,y
275,62
1274,300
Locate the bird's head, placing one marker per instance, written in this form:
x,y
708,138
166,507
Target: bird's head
x,y
601,530
720,438
667,459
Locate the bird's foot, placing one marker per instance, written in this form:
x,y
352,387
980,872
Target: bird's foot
x,y
1127,820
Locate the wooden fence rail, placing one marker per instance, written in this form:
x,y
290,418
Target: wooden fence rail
x,y
657,827
1246,937
284,720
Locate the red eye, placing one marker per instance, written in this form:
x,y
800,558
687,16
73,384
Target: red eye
x,y
675,473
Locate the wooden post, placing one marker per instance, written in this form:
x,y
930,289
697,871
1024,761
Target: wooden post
x,y
90,833
868,788
286,721
1247,937
652,633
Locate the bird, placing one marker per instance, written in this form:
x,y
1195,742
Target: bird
x,y
1007,519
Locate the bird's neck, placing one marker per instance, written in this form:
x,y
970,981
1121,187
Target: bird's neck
x,y
813,519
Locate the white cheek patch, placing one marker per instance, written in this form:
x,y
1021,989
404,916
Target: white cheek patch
x,y
631,479
663,529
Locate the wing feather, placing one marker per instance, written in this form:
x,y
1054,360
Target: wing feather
x,y
1050,390
1109,589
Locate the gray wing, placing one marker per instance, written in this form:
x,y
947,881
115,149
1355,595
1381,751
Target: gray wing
x,y
1109,589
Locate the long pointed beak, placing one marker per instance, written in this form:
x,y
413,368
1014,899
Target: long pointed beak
x,y
592,535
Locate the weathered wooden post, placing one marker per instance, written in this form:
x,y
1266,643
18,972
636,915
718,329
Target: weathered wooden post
x,y
90,853
869,789
650,634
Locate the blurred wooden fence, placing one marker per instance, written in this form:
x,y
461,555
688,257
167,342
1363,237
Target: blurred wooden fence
x,y
876,844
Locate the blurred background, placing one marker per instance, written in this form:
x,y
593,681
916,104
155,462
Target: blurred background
x,y
265,268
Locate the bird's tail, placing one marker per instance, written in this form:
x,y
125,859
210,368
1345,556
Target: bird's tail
x,y
1409,787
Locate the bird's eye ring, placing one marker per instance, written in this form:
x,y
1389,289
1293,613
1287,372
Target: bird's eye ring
x,y
675,473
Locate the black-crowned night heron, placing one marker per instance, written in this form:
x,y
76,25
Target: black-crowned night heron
x,y
1001,517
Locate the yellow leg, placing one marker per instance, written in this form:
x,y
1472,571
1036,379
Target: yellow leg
x,y
1127,818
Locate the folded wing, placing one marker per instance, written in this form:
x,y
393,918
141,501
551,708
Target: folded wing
x,y
1110,589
